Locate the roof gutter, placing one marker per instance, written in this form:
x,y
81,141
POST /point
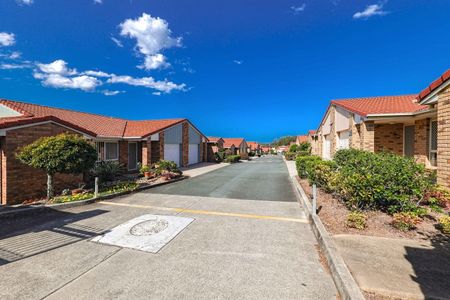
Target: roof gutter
x,y
413,114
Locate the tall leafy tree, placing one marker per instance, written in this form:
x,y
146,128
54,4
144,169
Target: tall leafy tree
x,y
64,153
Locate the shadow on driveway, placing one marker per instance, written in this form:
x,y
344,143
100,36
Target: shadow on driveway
x,y
28,236
432,267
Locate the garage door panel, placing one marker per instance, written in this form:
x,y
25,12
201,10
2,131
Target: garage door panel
x,y
193,153
172,152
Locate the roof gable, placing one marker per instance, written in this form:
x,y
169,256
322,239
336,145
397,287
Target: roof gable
x,y
434,86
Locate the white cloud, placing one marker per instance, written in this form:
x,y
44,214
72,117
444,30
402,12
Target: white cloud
x,y
15,55
238,62
117,42
111,93
14,66
57,67
298,9
97,73
98,1
83,82
7,39
370,11
163,86
26,2
152,36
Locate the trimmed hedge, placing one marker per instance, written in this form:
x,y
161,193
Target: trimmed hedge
x,y
232,158
366,180
290,155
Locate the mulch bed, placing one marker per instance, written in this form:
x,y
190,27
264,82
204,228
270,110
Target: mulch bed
x,y
333,214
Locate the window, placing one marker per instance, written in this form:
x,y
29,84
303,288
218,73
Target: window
x,y
433,143
111,151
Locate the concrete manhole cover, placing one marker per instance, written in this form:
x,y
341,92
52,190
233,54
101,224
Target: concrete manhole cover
x,y
146,233
149,227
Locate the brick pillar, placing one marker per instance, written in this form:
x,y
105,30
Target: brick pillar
x,y
161,145
185,145
355,140
367,136
147,152
421,141
123,153
201,151
333,132
3,170
443,144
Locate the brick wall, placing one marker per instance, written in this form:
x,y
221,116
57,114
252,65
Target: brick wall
x,y
389,137
443,153
21,182
147,152
367,134
185,145
123,153
161,145
422,141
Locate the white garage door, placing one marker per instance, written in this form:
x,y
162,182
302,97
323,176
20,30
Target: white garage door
x,y
344,138
326,147
193,153
172,152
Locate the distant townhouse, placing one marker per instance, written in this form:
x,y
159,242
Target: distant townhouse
x,y
313,140
254,147
215,144
129,142
237,146
301,139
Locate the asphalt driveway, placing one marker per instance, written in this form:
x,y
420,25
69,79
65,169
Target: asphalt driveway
x,y
264,178
234,249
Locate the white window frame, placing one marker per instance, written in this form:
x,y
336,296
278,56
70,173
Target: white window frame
x,y
430,151
104,151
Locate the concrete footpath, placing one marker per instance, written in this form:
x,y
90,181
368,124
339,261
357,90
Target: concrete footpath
x,y
398,268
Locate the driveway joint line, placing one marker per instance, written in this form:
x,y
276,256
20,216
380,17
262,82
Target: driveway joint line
x,y
83,273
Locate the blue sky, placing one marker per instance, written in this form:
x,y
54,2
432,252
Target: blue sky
x,y
256,69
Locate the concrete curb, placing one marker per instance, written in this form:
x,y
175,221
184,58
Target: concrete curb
x,y
32,210
343,279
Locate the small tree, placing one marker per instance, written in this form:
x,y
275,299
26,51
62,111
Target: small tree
x,y
64,153
305,146
293,148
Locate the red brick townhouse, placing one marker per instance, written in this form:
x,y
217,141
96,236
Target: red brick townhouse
x,y
253,146
236,145
398,124
215,144
129,142
301,139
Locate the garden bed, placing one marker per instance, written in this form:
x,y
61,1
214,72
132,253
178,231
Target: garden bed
x,y
333,214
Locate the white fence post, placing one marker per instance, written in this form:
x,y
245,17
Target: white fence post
x,y
96,188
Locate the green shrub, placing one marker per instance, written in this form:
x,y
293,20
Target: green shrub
x,y
301,162
290,155
293,148
143,169
305,146
356,219
380,180
219,156
405,221
166,166
251,153
303,153
107,170
322,173
444,224
232,158
120,187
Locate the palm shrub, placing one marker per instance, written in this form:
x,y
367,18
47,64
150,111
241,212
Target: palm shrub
x,y
108,170
166,166
63,153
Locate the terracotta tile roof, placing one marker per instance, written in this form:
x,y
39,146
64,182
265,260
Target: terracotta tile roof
x,y
434,85
213,139
253,145
95,125
148,127
312,132
228,142
381,105
302,138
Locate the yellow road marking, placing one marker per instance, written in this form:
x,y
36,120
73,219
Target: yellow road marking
x,y
207,212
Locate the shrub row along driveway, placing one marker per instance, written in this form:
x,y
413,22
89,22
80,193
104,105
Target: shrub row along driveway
x,y
233,249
